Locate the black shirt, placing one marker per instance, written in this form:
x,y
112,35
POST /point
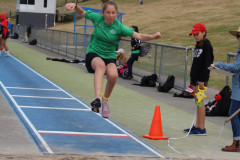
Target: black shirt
x,y
203,58
136,44
1,29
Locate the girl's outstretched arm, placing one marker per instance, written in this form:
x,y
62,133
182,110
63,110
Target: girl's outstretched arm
x,y
72,6
146,37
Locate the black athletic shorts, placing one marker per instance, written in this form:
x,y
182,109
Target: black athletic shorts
x,y
91,56
1,29
6,36
194,82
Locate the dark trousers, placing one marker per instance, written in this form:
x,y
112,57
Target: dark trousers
x,y
134,57
235,121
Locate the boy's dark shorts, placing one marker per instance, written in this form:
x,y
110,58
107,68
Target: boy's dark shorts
x,y
194,82
90,56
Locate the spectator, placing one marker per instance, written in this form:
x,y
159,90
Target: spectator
x,y
136,49
10,26
5,34
101,55
235,98
121,59
199,74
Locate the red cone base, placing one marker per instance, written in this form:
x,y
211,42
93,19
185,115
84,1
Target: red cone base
x,y
156,126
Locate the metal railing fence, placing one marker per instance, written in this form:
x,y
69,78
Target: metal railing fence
x,y
230,59
163,59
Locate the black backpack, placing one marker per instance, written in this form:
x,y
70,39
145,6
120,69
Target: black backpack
x,y
168,85
148,81
15,35
221,107
145,49
33,42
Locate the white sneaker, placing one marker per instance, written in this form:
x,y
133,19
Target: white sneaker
x,y
7,54
105,109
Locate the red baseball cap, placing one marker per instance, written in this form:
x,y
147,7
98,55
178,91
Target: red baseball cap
x,y
197,28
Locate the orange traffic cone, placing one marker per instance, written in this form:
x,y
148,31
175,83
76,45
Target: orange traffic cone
x,y
156,126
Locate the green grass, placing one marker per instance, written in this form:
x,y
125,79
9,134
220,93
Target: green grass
x,y
7,5
8,1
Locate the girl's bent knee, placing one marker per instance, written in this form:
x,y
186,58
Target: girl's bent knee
x,y
112,76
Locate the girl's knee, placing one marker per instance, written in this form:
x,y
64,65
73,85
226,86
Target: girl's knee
x,y
99,66
112,76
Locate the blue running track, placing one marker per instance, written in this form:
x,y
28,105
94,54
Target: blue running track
x,y
61,123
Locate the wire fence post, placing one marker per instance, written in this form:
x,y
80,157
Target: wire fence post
x,y
25,30
186,63
155,59
67,44
46,39
58,41
160,66
75,55
41,37
52,40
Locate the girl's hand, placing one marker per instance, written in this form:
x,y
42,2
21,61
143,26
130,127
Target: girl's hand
x,y
157,35
70,6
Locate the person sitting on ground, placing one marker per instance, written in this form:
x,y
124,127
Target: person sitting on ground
x,y
121,59
101,51
235,98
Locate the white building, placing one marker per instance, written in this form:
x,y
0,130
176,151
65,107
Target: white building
x,y
38,13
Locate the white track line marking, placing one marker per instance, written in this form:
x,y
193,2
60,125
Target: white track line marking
x,y
38,107
28,121
43,97
34,89
83,133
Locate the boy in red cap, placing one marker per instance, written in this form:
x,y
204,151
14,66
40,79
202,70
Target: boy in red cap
x,y
203,58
